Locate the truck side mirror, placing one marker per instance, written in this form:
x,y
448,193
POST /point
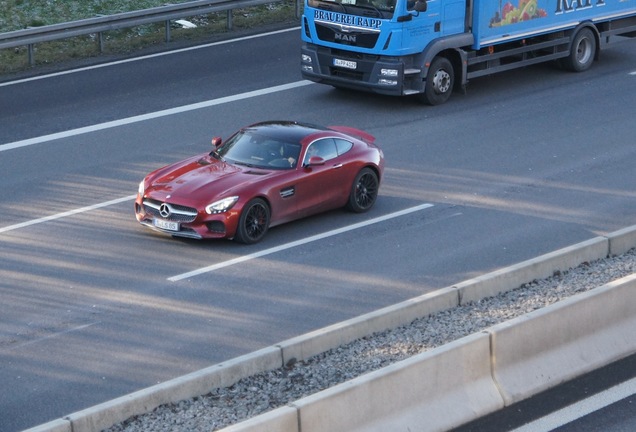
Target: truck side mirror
x,y
421,6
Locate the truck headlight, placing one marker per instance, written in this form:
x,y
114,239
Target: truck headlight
x,y
306,58
389,72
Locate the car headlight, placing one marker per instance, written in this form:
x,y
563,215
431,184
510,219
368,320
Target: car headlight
x,y
140,189
222,205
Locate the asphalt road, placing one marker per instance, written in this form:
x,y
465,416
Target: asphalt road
x,y
94,306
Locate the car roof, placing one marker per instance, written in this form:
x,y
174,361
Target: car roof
x,y
288,131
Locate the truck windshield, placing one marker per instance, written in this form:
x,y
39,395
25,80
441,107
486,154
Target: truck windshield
x,y
370,8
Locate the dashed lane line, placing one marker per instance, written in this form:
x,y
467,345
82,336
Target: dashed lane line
x,y
296,243
152,115
65,214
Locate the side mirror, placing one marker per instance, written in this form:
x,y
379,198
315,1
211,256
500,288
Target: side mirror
x,y
315,160
216,142
421,6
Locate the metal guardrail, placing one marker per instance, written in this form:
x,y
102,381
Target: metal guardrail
x,y
31,36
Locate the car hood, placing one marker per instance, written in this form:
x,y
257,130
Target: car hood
x,y
201,178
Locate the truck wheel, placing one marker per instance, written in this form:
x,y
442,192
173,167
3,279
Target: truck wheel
x,y
582,52
439,82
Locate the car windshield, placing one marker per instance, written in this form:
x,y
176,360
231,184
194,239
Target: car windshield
x,y
248,147
375,8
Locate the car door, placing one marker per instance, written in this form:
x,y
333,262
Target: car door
x,y
321,186
282,186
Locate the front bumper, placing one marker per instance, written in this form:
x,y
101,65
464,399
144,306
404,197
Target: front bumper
x,y
361,72
195,225
182,232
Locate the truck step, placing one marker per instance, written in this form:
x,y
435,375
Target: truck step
x,y
412,71
407,92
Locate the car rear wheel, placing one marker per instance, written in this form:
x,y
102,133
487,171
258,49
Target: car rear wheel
x,y
364,191
254,222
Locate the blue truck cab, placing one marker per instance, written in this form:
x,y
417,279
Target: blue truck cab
x,y
428,48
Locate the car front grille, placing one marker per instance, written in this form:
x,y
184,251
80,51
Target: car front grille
x,y
170,212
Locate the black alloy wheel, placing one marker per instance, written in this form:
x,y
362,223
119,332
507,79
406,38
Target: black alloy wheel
x,y
254,222
364,191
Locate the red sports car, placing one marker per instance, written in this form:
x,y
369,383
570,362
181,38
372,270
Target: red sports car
x,y
264,175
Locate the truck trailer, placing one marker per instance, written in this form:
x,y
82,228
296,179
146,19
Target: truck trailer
x,y
428,48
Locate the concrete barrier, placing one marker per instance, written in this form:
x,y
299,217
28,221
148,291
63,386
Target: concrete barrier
x,y
432,391
622,240
541,267
198,383
479,374
283,419
319,341
555,344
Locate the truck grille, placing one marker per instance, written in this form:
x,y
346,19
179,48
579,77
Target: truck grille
x,y
330,33
341,73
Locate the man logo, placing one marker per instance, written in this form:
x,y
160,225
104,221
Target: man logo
x,y
341,37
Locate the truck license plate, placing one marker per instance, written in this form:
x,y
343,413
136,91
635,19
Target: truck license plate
x,y
345,63
167,225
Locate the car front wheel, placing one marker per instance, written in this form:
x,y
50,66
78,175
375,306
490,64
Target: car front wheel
x,y
364,191
254,222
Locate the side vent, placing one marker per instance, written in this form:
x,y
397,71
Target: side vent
x,y
287,192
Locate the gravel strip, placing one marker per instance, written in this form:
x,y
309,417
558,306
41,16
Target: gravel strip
x,y
266,391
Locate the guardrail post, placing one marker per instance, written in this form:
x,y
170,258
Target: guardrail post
x,y
100,37
229,19
31,57
167,31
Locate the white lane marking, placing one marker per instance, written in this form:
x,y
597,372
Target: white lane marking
x,y
290,245
581,408
153,115
57,334
149,56
65,214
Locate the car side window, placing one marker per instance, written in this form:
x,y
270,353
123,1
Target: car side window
x,y
325,148
343,146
